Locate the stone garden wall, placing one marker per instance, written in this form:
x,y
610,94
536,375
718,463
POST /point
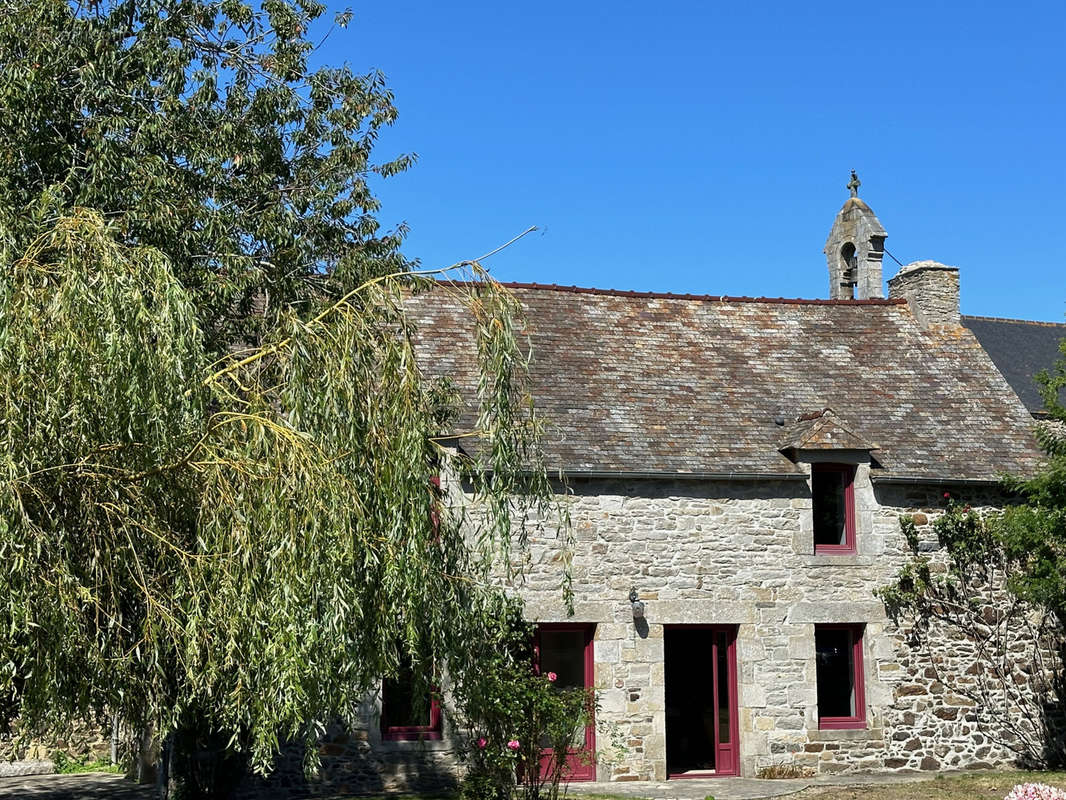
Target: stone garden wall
x,y
82,741
355,760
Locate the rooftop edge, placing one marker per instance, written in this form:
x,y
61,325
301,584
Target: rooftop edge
x,y
704,297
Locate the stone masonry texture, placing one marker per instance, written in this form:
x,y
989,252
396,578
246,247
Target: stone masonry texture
x,y
737,553
932,289
855,227
742,554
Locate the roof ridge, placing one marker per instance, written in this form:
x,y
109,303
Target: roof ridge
x,y
704,297
1011,319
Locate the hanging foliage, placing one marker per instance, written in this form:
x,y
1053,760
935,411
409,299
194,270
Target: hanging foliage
x,y
258,534
199,127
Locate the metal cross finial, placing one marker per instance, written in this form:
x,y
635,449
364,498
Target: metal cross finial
x,y
854,184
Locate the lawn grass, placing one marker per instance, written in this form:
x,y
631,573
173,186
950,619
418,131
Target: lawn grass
x,y
974,786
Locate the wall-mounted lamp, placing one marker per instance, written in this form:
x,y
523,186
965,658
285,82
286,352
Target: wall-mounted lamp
x,y
636,604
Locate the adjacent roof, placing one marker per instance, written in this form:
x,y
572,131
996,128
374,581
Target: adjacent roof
x,y
1020,349
643,382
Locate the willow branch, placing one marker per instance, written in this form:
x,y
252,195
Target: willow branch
x,y
282,344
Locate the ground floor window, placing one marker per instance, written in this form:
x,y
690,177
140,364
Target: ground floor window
x,y
410,707
841,700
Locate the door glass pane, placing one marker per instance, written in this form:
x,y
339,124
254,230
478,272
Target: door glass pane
x,y
721,654
563,652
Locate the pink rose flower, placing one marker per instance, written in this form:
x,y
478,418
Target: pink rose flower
x,y
482,743
552,677
513,744
1035,791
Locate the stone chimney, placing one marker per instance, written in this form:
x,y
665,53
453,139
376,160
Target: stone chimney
x,y
932,289
854,250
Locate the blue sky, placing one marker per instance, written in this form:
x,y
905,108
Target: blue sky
x,y
705,146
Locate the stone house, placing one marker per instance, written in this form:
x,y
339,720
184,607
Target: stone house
x,y
736,469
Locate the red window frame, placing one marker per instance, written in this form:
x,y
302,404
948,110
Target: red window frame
x,y
858,719
847,477
411,733
432,731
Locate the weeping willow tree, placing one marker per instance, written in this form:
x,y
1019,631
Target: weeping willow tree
x,y
216,446
257,536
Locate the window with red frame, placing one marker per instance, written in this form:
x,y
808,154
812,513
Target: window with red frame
x,y
410,709
841,689
833,504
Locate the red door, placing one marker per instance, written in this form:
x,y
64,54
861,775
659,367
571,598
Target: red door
x,y
725,700
701,701
566,650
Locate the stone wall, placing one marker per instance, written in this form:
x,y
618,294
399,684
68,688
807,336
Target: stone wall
x,y
80,741
931,288
739,554
742,554
355,759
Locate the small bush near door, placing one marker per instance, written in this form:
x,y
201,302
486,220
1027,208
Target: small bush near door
x,y
512,716
784,771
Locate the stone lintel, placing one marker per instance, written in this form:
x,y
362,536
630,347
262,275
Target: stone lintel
x,y
827,613
699,611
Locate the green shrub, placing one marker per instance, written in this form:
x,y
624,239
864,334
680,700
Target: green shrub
x,y
511,716
66,764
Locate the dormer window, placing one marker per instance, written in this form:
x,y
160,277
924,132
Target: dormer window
x,y
835,451
833,505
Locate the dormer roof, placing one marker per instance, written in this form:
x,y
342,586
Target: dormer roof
x,y
823,430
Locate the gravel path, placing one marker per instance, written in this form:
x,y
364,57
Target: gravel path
x,y
84,786
101,786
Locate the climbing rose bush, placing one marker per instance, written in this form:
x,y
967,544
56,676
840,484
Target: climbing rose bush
x,y
1035,791
518,725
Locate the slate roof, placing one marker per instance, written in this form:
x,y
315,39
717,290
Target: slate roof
x,y
678,384
1020,349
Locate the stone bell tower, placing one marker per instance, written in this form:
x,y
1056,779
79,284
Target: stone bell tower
x,y
854,250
